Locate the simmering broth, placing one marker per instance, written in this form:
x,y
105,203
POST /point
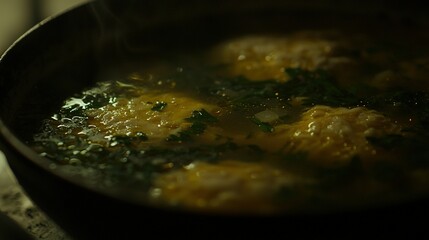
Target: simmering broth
x,y
304,121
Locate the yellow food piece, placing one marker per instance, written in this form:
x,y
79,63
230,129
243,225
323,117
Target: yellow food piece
x,y
130,116
337,134
267,57
229,186
328,135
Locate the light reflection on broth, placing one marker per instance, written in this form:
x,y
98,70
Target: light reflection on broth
x,y
304,122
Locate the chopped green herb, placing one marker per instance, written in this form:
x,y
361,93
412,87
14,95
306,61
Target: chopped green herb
x,y
241,94
265,127
98,100
195,129
199,120
159,106
318,87
201,116
127,140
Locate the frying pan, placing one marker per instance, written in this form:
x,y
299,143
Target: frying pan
x,y
65,54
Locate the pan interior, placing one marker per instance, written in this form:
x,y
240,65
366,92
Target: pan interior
x,y
256,112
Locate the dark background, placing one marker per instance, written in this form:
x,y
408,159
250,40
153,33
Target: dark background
x,y
17,16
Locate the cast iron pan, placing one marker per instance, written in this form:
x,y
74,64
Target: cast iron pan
x,y
63,55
